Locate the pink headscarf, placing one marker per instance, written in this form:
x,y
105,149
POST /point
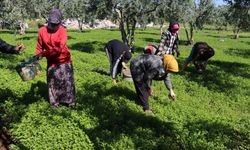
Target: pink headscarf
x,y
174,27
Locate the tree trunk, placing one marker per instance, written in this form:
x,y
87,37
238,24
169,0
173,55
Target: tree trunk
x,y
128,31
161,26
236,33
22,28
132,37
130,26
123,32
80,24
186,31
191,41
121,26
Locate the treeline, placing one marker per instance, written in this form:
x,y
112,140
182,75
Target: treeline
x,y
193,14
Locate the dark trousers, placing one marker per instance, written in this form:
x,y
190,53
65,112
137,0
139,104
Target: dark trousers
x,y
115,66
142,94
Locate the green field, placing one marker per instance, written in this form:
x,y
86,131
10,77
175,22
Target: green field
x,y
212,111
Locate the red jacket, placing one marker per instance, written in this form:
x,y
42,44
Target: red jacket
x,y
53,46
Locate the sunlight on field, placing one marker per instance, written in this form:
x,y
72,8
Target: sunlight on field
x,y
212,110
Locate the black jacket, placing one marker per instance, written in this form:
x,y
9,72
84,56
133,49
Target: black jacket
x,y
116,48
202,51
7,48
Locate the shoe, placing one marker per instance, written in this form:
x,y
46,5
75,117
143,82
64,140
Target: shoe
x,y
114,82
72,105
148,111
55,105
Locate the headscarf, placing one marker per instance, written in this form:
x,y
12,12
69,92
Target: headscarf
x,y
170,64
55,16
173,27
151,49
54,19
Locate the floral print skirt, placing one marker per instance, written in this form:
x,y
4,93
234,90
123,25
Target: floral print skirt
x,y
61,85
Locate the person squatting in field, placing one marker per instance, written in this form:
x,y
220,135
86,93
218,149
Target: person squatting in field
x,y
199,55
146,68
11,49
153,49
52,44
118,54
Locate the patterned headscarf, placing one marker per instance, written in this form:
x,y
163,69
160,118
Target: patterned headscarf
x,y
55,16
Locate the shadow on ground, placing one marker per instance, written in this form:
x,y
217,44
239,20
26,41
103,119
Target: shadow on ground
x,y
26,38
244,53
212,130
36,92
216,78
121,127
101,71
88,47
14,114
144,32
118,120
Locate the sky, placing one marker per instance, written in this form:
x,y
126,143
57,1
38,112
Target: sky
x,y
219,2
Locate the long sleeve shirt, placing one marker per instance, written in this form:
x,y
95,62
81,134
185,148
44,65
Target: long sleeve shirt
x,y
200,51
117,49
7,48
53,46
147,67
169,43
117,52
190,57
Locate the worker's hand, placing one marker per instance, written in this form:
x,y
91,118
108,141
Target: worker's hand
x,y
19,47
39,57
158,54
172,94
124,65
150,92
184,66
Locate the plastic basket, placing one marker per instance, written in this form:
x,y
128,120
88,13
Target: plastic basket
x,y
29,69
127,75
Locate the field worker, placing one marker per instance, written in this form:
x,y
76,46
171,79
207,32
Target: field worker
x,y
169,45
152,49
199,55
146,68
52,44
170,40
7,48
118,54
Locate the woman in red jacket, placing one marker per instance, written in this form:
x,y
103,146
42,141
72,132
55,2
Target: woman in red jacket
x,y
51,44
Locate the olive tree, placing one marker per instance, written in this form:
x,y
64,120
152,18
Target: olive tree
x,y
127,13
238,15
